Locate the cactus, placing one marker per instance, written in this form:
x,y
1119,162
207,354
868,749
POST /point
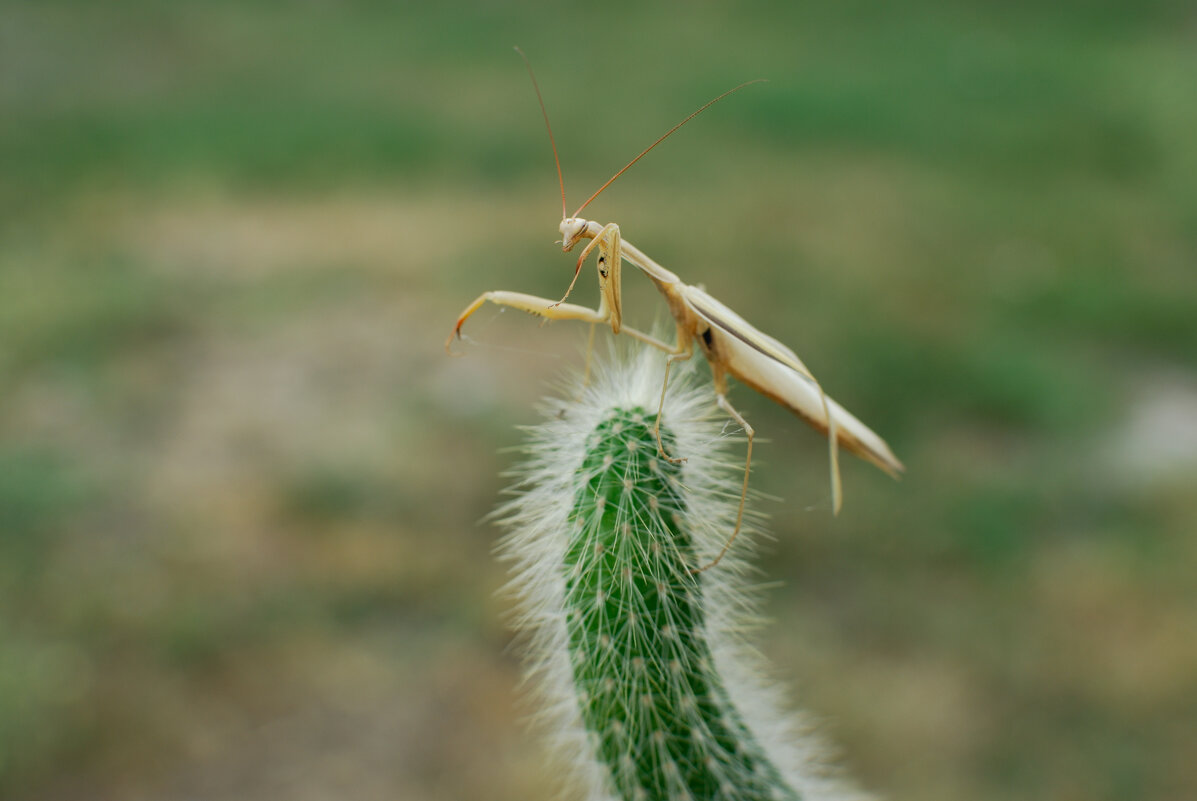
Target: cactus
x,y
638,656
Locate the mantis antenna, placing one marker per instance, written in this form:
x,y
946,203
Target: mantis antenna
x,y
545,114
661,139
642,154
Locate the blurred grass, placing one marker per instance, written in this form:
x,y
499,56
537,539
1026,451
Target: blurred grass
x,y
239,482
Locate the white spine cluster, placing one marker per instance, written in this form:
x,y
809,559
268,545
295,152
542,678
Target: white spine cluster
x,y
639,668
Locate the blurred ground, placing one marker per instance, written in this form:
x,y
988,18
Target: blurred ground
x,y
240,481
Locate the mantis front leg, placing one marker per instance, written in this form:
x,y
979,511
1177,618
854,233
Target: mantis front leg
x,y
610,264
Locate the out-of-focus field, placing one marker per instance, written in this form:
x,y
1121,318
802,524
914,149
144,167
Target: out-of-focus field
x,y
240,481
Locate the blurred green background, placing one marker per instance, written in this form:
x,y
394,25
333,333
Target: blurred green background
x,y
240,481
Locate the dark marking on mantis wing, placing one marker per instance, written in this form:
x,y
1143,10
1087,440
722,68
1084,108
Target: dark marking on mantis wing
x,y
731,331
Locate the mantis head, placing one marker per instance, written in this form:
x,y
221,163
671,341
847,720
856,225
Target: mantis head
x,y
572,230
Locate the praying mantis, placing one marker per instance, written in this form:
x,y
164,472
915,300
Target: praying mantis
x,y
731,345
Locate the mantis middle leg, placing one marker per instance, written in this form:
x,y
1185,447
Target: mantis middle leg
x,y
683,351
721,399
543,307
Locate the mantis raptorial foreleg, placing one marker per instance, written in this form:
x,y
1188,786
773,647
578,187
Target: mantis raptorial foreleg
x,y
609,263
609,267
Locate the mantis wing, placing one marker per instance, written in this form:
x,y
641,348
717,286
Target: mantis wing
x,y
772,369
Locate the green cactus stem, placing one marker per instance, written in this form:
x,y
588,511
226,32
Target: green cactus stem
x,y
637,656
650,697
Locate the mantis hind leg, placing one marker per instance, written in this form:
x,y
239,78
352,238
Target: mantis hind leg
x,y
833,449
721,399
837,490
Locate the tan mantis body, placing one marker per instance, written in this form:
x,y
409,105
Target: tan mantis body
x,y
731,345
